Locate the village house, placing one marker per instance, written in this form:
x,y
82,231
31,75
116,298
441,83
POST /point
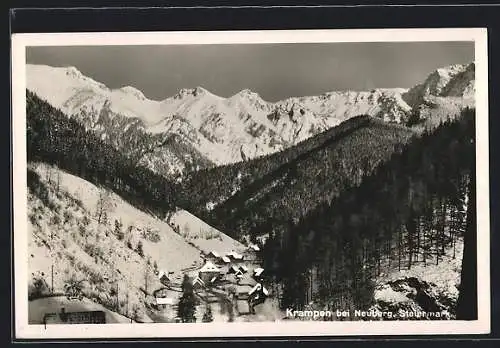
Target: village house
x,y
164,277
258,273
233,255
254,247
164,302
226,260
213,256
233,269
216,279
165,297
208,271
84,317
198,283
257,295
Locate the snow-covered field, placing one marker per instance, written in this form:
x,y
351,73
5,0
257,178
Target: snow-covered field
x,y
66,241
204,236
66,238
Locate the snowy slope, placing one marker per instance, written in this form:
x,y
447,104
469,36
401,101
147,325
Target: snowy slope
x,y
211,130
64,233
204,236
422,288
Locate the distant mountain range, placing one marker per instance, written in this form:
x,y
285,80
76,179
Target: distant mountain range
x,y
195,128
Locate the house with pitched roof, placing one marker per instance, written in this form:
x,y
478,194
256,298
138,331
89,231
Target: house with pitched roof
x,y
208,271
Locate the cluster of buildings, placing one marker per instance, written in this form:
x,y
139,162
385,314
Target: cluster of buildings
x,y
229,268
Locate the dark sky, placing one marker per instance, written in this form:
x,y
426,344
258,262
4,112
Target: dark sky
x,y
275,71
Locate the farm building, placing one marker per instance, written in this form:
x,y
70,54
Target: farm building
x,y
254,247
213,256
198,283
215,279
233,255
86,317
258,272
164,302
163,277
208,271
225,260
233,269
257,294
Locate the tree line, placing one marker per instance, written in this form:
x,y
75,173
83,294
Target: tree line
x,y
289,184
54,138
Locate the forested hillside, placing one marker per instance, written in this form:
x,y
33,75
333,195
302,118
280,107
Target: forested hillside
x,y
409,212
54,138
266,194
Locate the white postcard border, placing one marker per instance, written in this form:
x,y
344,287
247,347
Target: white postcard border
x,y
254,329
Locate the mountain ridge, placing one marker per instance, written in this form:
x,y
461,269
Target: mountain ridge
x,y
243,126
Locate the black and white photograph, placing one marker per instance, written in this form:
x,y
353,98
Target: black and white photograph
x,y
287,182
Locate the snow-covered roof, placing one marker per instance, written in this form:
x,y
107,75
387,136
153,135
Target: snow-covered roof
x,y
214,253
226,259
257,287
258,271
209,267
162,274
235,255
164,301
198,280
244,268
254,247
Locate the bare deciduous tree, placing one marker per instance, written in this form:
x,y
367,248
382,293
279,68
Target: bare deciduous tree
x,y
104,205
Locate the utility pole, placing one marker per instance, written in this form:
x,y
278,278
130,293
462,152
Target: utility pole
x,y
127,304
117,298
52,260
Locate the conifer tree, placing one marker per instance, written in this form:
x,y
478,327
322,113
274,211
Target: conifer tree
x,y
207,316
186,308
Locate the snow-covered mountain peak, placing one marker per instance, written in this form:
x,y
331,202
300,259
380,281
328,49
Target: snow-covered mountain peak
x,y
133,91
247,93
73,71
451,69
191,92
225,130
451,81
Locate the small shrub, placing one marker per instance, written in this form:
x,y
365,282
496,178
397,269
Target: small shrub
x,y
33,220
37,287
151,235
139,249
67,216
86,220
82,230
55,220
